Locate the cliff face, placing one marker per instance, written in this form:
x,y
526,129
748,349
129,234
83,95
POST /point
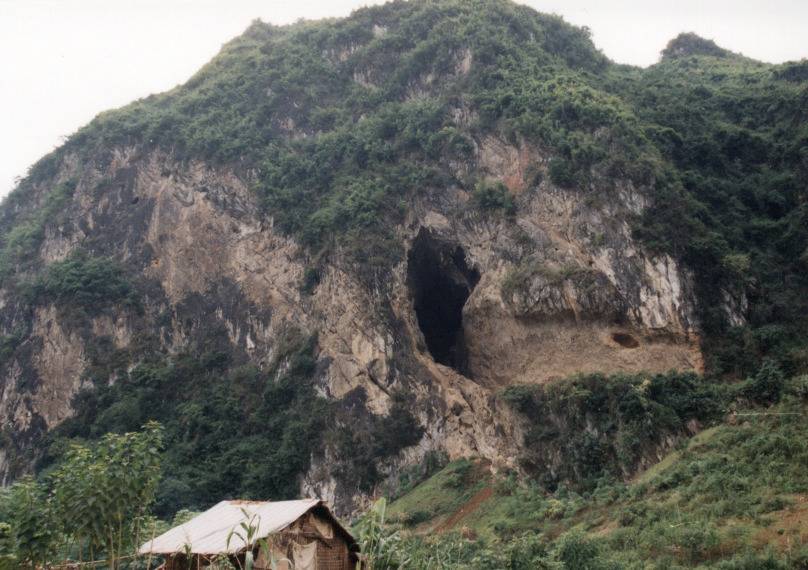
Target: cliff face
x,y
324,261
480,301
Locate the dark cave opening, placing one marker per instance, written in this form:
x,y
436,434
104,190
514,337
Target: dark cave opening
x,y
625,340
441,282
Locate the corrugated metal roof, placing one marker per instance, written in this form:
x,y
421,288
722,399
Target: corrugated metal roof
x,y
207,533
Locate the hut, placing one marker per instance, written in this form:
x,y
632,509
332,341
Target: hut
x,y
303,535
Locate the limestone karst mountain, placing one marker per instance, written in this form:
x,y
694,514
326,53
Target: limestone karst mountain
x,y
326,257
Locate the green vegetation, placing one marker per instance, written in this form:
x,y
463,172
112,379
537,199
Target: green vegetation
x,y
594,426
21,241
438,496
562,173
689,44
493,197
94,504
360,442
234,431
382,547
728,203
229,431
732,497
345,121
341,142
81,282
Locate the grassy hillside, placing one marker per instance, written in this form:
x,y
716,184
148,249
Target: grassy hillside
x,y
734,496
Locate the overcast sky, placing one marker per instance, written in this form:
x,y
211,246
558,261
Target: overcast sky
x,y
64,61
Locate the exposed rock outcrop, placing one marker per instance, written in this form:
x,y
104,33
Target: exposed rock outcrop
x,y
479,302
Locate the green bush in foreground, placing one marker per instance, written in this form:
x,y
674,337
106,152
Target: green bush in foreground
x,y
93,505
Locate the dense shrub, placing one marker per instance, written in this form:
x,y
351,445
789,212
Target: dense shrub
x,y
710,503
575,550
725,205
604,425
562,173
233,432
237,431
21,240
689,44
766,385
94,504
493,197
80,281
363,439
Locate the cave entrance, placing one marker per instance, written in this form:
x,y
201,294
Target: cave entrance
x,y
441,281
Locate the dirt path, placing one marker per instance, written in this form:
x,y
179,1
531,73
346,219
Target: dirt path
x,y
472,505
789,529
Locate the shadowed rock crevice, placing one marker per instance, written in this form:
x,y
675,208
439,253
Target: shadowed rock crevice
x,y
625,340
440,282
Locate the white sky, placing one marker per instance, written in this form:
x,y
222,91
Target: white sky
x,y
64,61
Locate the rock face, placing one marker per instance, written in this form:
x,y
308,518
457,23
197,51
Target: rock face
x,y
480,301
